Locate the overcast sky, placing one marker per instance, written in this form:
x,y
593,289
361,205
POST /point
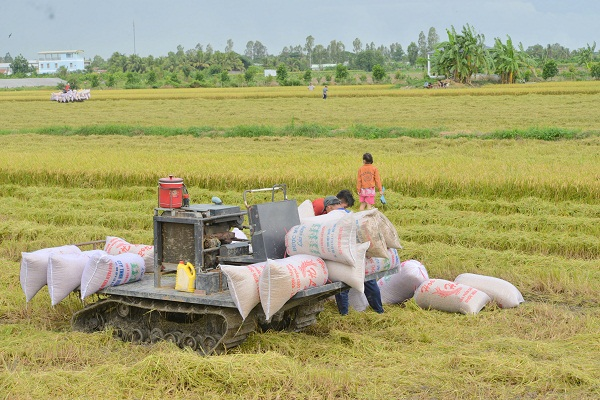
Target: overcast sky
x,y
107,26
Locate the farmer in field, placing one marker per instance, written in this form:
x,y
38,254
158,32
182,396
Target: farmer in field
x,y
325,92
367,180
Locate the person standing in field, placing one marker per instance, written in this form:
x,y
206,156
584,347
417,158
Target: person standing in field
x,y
325,92
367,180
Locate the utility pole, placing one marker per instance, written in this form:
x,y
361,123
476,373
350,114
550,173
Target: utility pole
x,y
134,37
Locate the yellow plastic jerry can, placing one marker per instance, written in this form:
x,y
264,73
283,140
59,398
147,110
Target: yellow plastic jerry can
x,y
186,277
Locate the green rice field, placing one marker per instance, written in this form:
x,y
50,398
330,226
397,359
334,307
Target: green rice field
x,y
464,193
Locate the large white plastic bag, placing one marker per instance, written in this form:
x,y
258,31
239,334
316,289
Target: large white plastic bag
x,y
330,240
107,270
65,272
351,275
443,295
115,245
282,279
504,293
34,268
243,285
401,286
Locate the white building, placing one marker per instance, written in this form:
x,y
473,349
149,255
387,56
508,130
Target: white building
x,y
50,61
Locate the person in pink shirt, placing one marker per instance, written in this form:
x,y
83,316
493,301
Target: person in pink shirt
x,y
367,181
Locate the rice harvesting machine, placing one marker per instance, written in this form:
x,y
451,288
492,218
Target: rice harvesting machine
x,y
206,318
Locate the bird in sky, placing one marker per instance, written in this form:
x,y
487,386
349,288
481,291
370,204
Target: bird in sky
x,y
9,35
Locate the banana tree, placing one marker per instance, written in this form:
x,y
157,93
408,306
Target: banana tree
x,y
509,62
462,55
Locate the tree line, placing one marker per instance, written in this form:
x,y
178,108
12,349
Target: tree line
x,y
462,55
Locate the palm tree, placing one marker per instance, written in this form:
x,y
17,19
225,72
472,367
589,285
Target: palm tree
x,y
509,62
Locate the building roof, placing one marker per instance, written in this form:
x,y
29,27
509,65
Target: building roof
x,y
60,51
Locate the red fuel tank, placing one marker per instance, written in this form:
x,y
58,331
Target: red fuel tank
x,y
170,192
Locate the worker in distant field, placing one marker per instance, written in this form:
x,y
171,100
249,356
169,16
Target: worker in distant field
x,y
325,89
367,181
67,87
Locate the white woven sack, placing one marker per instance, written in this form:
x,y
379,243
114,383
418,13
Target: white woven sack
x,y
107,270
389,232
443,295
504,293
306,210
282,279
65,272
401,286
368,228
351,275
376,264
243,285
115,245
357,300
330,240
34,268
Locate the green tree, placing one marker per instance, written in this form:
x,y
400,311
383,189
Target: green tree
x,y
462,55
307,76
432,39
98,63
282,73
132,80
151,79
378,73
550,70
95,80
225,76
396,52
595,70
308,47
117,62
341,72
62,72
413,53
251,73
111,81
365,60
357,46
422,44
585,56
20,65
510,62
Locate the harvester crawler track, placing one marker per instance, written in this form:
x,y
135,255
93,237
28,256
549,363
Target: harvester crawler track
x,y
205,329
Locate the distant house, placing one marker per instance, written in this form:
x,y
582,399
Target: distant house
x,y
270,72
50,61
5,69
321,67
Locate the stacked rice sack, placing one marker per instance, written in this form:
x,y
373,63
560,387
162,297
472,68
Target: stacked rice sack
x,y
372,232
65,269
273,282
338,246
